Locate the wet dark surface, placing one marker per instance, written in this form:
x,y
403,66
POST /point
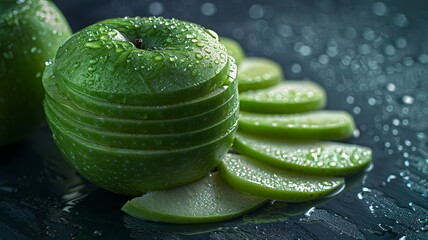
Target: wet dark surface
x,y
372,57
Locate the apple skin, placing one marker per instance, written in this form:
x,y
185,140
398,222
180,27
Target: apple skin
x,y
177,61
30,33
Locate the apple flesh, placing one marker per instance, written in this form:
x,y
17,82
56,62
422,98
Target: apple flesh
x,y
30,33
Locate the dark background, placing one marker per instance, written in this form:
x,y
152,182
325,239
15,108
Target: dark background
x,y
372,57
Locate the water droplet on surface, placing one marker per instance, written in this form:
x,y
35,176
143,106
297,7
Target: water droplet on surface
x,y
401,20
379,9
208,9
156,8
8,55
305,50
98,233
408,99
296,68
256,11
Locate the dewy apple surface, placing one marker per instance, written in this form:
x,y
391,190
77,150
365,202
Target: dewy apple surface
x,y
315,125
161,86
234,49
133,172
178,110
168,126
285,97
148,141
30,33
178,61
324,158
257,73
207,200
255,177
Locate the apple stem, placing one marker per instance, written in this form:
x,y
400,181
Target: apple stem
x,y
138,43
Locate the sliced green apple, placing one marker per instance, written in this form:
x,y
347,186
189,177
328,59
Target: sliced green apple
x,y
245,174
145,61
234,49
192,107
167,126
317,125
286,97
206,200
323,158
146,141
257,73
133,172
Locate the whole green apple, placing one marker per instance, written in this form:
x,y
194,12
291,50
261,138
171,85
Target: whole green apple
x,y
30,33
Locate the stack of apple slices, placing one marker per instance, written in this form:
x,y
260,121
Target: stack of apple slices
x,y
141,104
280,152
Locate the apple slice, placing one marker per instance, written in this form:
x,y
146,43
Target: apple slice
x,y
133,172
192,107
323,158
143,61
234,49
207,200
317,125
256,178
146,141
286,97
256,73
167,126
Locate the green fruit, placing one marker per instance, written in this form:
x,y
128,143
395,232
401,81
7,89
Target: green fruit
x,y
286,97
234,49
317,125
257,73
30,33
324,158
207,200
84,105
143,61
145,141
254,177
169,126
142,104
133,172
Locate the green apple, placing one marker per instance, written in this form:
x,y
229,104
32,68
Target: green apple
x,y
207,200
234,49
191,116
142,104
142,61
248,175
30,33
323,158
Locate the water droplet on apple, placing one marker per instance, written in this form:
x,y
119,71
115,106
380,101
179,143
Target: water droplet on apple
x,y
8,55
190,35
212,33
93,61
199,56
